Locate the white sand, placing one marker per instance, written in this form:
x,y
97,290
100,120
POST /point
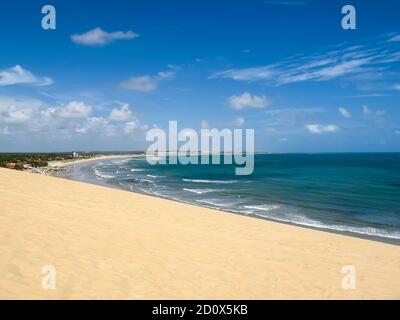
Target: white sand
x,y
96,158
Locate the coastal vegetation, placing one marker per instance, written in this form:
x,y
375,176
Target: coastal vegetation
x,y
19,161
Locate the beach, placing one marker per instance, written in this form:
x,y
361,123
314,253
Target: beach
x,y
106,243
67,163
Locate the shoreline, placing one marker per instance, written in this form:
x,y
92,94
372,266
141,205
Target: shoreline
x,y
377,238
67,163
109,243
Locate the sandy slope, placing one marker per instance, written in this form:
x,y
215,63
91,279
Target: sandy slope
x,y
107,243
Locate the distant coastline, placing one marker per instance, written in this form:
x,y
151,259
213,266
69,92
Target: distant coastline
x,y
66,163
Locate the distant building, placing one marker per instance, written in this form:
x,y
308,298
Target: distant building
x,y
10,165
75,154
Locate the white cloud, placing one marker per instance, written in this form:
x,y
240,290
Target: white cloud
x,y
121,114
26,117
81,130
142,83
395,38
98,37
130,127
397,131
283,139
376,113
146,83
75,110
239,122
396,86
16,115
318,128
100,126
18,75
291,118
246,100
362,61
17,111
344,112
166,74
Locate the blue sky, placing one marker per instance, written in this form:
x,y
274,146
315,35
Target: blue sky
x,y
113,69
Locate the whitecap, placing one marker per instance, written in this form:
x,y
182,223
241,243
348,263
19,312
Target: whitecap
x,y
265,207
210,181
199,191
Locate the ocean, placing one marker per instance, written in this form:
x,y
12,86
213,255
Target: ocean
x,y
351,193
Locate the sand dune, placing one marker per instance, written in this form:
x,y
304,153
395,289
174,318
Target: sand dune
x,y
106,243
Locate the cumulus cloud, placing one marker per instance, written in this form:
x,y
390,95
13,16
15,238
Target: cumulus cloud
x,y
318,128
121,114
146,83
17,111
246,100
75,110
25,117
16,115
98,37
130,127
18,75
344,112
375,113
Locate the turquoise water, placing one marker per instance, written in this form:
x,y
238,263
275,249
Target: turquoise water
x,y
355,193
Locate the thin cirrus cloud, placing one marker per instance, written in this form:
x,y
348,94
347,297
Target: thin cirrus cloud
x,y
362,61
146,83
394,38
375,113
99,37
18,75
315,128
247,100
